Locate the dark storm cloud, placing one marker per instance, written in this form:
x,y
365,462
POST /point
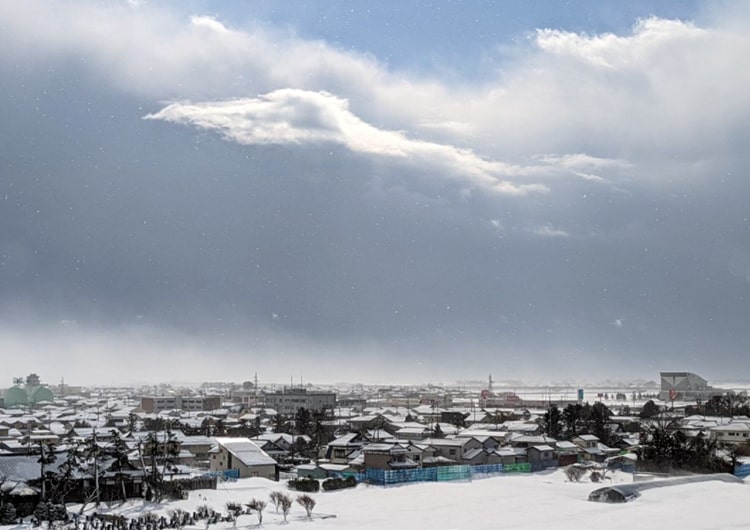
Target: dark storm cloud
x,y
120,234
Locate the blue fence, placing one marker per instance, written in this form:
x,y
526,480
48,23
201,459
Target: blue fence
x,y
742,470
359,477
486,470
226,475
447,473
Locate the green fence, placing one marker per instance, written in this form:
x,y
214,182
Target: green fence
x,y
453,473
441,474
517,468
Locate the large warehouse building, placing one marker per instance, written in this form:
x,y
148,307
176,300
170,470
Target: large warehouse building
x,y
686,386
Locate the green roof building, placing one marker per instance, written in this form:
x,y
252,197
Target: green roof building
x,y
34,392
16,396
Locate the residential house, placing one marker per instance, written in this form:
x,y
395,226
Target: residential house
x,y
454,448
566,452
340,450
732,433
541,453
387,457
242,455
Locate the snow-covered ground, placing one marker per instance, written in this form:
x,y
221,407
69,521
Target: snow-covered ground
x,y
542,500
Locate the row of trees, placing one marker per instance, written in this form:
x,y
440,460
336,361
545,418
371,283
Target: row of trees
x,y
663,445
86,463
281,502
726,405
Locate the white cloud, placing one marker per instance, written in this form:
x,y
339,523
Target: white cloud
x,y
292,116
550,231
650,36
665,93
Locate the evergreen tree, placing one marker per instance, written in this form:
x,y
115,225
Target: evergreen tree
x,y
66,478
553,424
649,410
47,457
118,451
598,422
92,453
302,421
132,422
437,432
572,418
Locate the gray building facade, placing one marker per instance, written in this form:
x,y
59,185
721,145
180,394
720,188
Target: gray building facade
x,y
289,400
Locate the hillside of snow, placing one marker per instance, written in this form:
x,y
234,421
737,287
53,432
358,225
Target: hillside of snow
x,y
542,500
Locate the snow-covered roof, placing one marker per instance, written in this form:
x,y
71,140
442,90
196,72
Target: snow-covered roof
x,y
470,454
732,427
246,451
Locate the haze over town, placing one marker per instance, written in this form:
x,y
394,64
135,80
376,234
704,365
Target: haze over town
x,y
385,193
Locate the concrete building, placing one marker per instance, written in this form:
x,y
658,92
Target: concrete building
x,y
189,403
289,400
686,386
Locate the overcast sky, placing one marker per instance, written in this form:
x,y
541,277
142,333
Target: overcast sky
x,y
373,191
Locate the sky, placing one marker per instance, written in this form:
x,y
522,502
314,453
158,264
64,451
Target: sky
x,y
381,192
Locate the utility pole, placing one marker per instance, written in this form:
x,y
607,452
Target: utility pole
x,y
96,460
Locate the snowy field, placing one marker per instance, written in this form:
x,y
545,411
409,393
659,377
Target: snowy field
x,y
542,500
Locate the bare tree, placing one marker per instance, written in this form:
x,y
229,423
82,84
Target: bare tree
x,y
308,503
285,502
275,496
257,506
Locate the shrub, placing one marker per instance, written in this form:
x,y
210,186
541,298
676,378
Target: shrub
x,y
7,514
204,511
178,517
47,511
305,484
574,473
332,484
